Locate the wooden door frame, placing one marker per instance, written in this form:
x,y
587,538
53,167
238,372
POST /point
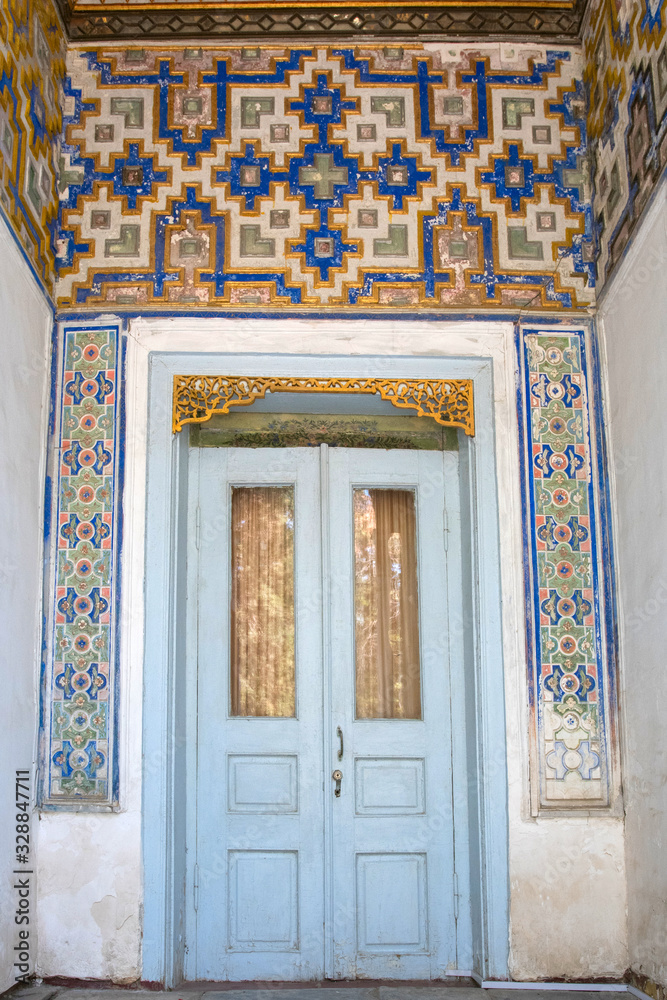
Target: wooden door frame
x,y
164,744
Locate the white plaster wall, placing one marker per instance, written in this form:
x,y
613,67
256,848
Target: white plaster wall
x,y
25,343
567,875
633,320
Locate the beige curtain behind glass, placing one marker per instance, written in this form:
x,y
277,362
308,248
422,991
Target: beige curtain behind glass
x,y
262,612
386,605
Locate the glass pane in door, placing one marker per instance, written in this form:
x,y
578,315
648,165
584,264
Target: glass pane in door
x,y
386,605
262,601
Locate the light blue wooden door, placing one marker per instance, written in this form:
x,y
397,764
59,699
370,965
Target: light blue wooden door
x,y
393,891
293,881
258,909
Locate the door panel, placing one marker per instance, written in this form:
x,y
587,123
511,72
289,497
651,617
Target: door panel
x,y
259,864
392,831
389,786
391,904
263,901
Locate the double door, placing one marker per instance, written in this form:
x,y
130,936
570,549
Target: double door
x,y
321,832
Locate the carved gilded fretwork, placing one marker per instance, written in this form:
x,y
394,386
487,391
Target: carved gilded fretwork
x,y
448,401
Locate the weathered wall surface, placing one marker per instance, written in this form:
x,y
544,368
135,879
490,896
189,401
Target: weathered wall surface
x,y
32,65
25,345
567,899
633,322
444,176
625,51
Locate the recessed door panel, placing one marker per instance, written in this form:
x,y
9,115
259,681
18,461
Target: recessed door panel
x,y
388,786
261,783
263,901
391,903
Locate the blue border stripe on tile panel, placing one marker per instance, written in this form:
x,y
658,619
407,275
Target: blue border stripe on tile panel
x,y
121,383
606,523
527,520
598,604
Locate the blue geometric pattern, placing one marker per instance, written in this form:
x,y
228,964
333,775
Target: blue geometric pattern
x,y
325,178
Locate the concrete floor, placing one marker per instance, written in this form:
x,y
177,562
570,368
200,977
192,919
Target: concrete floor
x,y
307,992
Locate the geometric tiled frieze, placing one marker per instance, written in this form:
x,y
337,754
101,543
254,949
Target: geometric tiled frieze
x,y
32,65
625,49
571,669
433,176
80,692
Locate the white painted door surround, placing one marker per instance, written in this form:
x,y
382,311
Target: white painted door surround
x,y
480,798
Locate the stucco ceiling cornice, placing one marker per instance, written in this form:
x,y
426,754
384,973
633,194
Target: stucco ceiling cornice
x,y
294,21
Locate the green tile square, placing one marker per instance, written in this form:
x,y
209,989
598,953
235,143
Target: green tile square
x,y
458,249
192,105
189,248
452,106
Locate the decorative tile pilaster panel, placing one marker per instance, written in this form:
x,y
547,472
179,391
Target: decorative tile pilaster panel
x,y
571,671
78,711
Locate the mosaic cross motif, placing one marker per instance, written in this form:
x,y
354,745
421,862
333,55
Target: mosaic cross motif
x,y
435,176
569,676
81,687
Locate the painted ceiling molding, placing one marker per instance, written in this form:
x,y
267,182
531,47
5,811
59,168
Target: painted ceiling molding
x,y
206,20
448,401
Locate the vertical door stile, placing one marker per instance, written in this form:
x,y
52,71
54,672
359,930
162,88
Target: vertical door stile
x,y
327,665
451,481
192,700
455,655
195,880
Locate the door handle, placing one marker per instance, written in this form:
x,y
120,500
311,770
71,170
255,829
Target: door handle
x,y
337,777
339,734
